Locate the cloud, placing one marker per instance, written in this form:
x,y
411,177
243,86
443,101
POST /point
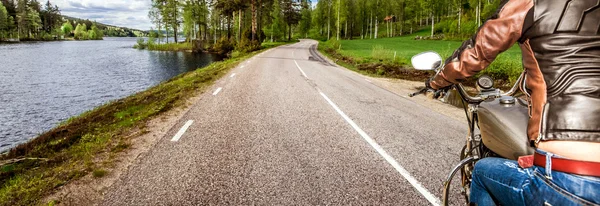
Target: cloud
x,y
126,13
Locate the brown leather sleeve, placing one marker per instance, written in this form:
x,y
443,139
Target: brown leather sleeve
x,y
496,35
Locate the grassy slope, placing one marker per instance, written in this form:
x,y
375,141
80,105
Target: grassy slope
x,y
88,143
506,66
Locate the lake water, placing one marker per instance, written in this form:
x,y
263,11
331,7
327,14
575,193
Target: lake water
x,y
45,83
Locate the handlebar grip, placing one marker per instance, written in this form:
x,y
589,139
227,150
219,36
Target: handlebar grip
x,y
422,91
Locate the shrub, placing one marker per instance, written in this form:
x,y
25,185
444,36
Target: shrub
x,y
334,44
247,45
46,36
141,44
224,46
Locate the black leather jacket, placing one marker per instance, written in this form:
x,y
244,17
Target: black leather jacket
x,y
560,43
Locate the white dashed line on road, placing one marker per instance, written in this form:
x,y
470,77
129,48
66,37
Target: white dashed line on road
x,y
430,197
217,91
368,81
300,69
232,75
182,131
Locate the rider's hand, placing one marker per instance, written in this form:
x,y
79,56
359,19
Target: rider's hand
x,y
437,93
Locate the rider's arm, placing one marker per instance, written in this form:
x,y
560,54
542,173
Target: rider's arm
x,y
496,35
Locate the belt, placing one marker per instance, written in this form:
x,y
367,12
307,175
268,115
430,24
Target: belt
x,y
569,166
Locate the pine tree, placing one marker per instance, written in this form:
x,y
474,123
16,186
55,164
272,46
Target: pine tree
x,y
291,14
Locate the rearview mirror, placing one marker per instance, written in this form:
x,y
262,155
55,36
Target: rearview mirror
x,y
427,61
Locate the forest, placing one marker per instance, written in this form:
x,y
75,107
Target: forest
x,y
278,20
29,20
374,36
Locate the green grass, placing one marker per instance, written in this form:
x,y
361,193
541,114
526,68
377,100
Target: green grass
x,y
506,67
90,142
170,47
99,173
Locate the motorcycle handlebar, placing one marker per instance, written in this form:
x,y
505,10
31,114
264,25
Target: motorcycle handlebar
x,y
478,99
422,91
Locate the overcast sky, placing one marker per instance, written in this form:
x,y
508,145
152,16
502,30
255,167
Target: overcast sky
x,y
126,13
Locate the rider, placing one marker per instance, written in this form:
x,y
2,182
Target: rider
x,y
560,44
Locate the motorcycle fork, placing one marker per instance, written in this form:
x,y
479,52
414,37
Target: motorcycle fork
x,y
468,158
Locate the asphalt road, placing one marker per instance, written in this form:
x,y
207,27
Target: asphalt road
x,y
286,129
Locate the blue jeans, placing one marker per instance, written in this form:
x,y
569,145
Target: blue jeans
x,y
501,181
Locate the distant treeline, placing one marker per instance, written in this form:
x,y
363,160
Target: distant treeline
x,y
30,20
109,30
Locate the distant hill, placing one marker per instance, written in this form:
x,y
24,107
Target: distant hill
x,y
108,30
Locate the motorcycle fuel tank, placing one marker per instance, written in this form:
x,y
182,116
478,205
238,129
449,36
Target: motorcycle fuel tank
x,y
503,126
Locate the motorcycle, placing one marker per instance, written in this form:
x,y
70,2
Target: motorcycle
x,y
497,122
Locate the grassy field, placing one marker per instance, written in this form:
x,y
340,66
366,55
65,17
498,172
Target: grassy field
x,y
89,143
506,67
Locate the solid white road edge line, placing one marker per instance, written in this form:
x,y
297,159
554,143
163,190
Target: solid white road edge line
x,y
182,131
430,197
232,75
217,91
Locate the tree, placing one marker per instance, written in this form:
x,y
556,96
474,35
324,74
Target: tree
x,y
277,24
3,21
154,14
28,17
95,33
92,35
306,18
51,17
291,13
67,28
171,14
81,32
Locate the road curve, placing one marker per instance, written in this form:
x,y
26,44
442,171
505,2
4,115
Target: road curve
x,y
286,128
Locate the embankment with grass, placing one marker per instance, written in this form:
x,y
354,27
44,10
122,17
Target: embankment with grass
x,y
89,143
390,57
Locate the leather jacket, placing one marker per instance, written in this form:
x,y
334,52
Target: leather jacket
x,y
560,44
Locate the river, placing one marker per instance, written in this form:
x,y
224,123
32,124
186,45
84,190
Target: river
x,y
45,83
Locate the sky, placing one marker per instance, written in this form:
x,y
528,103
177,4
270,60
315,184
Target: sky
x,y
125,13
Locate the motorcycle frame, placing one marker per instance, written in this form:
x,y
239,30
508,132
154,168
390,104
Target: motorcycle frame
x,y
473,143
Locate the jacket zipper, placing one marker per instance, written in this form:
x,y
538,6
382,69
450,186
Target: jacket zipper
x,y
542,131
